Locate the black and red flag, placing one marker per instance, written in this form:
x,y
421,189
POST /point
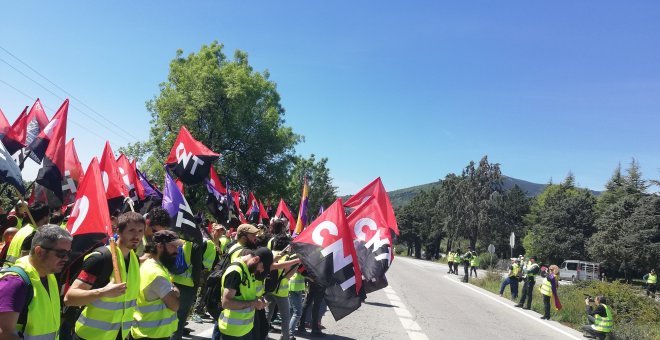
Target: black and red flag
x,y
326,249
4,125
128,177
14,139
115,190
377,190
89,222
373,244
236,198
73,173
50,146
36,121
9,171
282,208
139,187
189,159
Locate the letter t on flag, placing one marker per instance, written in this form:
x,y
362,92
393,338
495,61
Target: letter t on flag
x,y
181,216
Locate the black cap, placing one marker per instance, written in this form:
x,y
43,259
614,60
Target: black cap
x,y
265,257
165,236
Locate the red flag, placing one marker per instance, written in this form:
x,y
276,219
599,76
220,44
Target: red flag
x,y
189,159
90,213
14,139
139,188
237,199
36,121
115,190
4,125
128,176
262,211
50,145
327,251
73,173
179,185
377,190
216,182
283,209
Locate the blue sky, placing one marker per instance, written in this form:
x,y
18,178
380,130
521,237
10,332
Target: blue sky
x,y
409,91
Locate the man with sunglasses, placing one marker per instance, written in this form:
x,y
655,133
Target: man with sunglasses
x,y
108,314
21,243
32,310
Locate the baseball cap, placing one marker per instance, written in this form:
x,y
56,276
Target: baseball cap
x,y
166,236
246,228
265,256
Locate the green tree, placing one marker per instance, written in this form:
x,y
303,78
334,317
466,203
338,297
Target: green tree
x,y
229,107
321,190
420,225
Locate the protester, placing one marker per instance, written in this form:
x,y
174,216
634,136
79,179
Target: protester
x,y
158,300
40,318
296,290
475,262
512,279
313,300
457,260
109,305
532,269
239,296
21,243
279,297
246,237
188,283
7,236
600,318
450,262
549,290
466,258
158,219
651,282
220,238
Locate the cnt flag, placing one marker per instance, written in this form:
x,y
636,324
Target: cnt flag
x,y
128,176
236,198
377,190
36,121
189,159
181,216
282,208
302,212
73,173
14,138
115,190
263,214
326,249
139,187
50,146
373,244
9,171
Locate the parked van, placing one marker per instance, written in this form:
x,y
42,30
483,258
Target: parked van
x,y
576,270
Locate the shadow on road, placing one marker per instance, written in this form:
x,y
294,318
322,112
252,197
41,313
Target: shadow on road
x,y
378,304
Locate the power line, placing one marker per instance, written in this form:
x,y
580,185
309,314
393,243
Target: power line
x,y
76,108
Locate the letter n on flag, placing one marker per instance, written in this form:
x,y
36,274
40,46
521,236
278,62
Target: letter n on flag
x,y
327,251
189,159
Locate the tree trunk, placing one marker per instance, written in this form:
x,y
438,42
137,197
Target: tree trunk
x,y
418,249
449,242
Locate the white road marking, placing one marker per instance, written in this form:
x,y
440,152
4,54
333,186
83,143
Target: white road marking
x,y
545,323
412,328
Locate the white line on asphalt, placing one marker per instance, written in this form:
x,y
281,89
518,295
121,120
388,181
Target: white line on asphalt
x,y
405,317
545,323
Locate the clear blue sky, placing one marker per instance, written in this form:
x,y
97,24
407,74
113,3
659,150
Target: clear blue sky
x,y
408,91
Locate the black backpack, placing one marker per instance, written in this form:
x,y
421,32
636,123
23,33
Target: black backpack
x,y
212,293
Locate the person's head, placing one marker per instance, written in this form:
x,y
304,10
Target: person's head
x,y
554,269
159,219
56,218
246,235
281,241
130,228
40,213
277,226
218,231
9,233
652,271
532,259
166,247
21,209
260,261
51,248
600,299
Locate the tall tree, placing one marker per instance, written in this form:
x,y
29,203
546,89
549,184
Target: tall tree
x,y
229,107
322,192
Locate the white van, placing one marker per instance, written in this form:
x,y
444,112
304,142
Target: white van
x,y
576,270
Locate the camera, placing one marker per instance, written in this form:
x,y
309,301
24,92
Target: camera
x,y
591,299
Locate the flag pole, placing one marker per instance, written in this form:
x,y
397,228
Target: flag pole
x,y
115,263
28,211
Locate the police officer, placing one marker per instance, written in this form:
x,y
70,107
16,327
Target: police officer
x,y
600,318
532,269
51,248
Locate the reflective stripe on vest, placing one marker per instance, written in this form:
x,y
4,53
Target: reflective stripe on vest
x,y
297,283
239,322
103,318
474,262
653,279
14,251
185,278
209,254
531,266
43,319
152,318
603,324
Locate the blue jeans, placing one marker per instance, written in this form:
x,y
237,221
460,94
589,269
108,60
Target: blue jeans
x,y
514,286
295,301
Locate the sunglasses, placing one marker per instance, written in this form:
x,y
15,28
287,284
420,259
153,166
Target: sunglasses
x,y
61,253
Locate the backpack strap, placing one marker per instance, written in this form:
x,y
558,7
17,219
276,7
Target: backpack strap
x,y
30,290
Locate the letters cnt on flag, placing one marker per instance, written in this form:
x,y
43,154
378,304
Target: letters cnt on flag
x,y
326,249
182,218
377,190
50,145
189,159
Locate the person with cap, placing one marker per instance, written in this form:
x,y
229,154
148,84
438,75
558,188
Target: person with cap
x,y
22,241
29,293
532,269
246,238
220,238
110,305
239,295
158,300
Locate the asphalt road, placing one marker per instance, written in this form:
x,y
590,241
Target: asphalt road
x,y
423,302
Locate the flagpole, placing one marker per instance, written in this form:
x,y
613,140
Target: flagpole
x,y
28,211
115,263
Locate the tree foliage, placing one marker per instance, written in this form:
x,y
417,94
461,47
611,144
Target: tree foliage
x,y
322,193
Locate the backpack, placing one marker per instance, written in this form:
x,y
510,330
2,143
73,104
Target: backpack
x,y
22,318
212,294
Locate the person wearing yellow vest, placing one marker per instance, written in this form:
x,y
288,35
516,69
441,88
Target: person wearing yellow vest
x,y
532,269
450,262
512,279
286,268
20,212
158,300
220,238
600,318
549,290
40,319
239,296
188,283
157,219
108,314
296,290
651,280
21,243
475,262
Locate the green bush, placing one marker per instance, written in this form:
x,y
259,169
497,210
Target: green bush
x,y
635,316
400,249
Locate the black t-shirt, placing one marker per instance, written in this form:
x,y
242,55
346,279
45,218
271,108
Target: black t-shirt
x,y
97,268
27,242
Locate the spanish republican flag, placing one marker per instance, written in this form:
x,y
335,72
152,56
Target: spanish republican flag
x,y
302,212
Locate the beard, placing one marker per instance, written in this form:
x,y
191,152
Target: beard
x,y
168,261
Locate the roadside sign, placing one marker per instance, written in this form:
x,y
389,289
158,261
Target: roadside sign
x,y
491,249
512,240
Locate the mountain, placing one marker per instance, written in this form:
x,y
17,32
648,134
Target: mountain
x,y
401,197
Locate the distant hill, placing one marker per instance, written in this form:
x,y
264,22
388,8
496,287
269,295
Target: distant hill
x,y
401,197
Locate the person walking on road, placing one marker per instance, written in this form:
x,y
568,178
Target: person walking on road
x,y
450,262
532,269
466,258
651,280
549,290
512,279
